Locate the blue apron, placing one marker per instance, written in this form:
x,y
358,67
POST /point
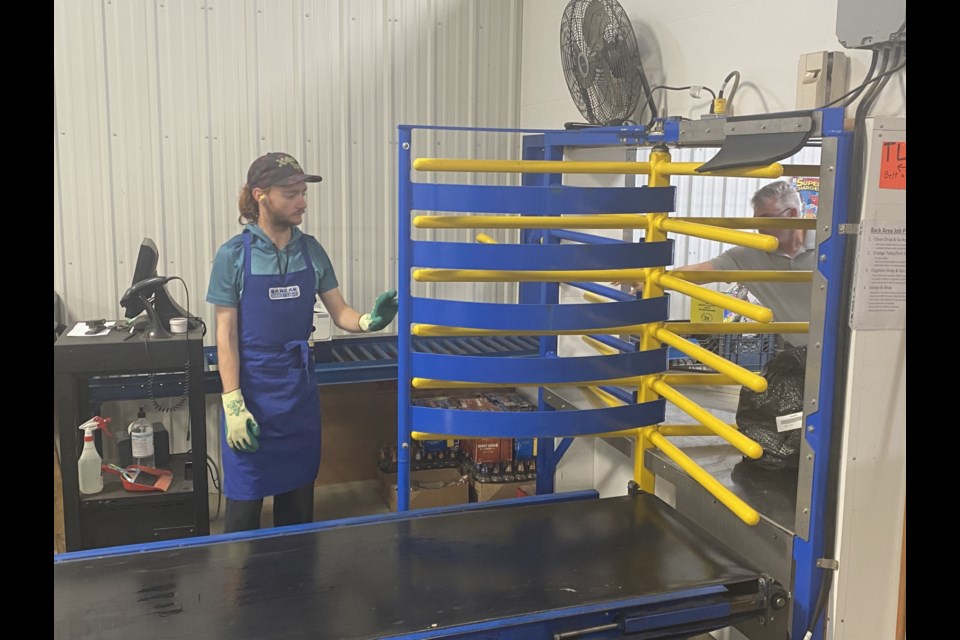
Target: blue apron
x,y
275,316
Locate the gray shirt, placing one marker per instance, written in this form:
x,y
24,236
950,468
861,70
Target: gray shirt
x,y
789,302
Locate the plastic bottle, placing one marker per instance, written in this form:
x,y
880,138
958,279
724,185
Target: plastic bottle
x,y
89,472
141,439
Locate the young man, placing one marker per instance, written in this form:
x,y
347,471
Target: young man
x,y
263,285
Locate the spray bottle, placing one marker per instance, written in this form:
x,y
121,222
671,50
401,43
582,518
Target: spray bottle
x,y
88,466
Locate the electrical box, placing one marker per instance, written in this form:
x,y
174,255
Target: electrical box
x,y
866,24
821,78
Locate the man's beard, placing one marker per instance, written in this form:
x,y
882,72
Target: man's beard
x,y
275,218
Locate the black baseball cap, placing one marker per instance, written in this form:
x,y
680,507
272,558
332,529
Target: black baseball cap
x,y
276,169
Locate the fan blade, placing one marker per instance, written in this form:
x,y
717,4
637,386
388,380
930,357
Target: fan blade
x,y
594,26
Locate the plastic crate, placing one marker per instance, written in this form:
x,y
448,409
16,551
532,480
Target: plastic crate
x,y
750,351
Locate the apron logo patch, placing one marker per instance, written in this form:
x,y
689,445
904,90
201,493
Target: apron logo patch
x,y
284,293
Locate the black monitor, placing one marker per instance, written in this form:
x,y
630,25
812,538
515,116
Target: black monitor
x,y
146,267
148,292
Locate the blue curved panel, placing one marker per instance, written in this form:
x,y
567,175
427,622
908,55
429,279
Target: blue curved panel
x,y
538,317
536,424
546,257
531,200
537,371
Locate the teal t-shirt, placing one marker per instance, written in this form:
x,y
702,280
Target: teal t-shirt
x,y
226,277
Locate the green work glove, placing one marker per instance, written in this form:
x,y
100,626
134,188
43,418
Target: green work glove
x,y
242,429
384,309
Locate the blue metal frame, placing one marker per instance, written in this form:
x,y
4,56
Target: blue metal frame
x,y
545,201
537,424
535,148
538,317
578,236
533,371
404,298
830,265
464,255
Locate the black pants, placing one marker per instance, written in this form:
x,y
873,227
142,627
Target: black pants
x,y
292,507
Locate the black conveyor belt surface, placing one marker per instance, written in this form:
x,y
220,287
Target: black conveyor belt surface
x,y
395,576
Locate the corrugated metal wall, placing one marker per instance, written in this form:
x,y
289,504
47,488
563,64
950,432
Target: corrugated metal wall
x,y
159,108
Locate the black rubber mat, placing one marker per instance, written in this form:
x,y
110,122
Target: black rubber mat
x,y
394,577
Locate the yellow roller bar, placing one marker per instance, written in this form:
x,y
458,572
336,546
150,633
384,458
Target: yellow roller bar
x,y
623,433
497,275
752,223
605,397
529,166
741,442
758,241
432,383
743,275
690,169
688,328
686,379
598,221
673,430
605,349
589,296
485,239
441,330
423,435
748,379
687,430
747,309
726,497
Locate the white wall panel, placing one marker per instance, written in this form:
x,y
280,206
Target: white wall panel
x,y
159,108
699,42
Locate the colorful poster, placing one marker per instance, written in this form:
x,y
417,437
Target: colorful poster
x,y
809,190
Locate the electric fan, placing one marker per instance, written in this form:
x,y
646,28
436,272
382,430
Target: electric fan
x,y
601,62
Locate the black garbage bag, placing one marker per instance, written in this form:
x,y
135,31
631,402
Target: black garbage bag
x,y
757,412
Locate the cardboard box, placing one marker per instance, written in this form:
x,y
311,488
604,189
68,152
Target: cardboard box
x,y
426,489
484,491
487,450
527,489
356,419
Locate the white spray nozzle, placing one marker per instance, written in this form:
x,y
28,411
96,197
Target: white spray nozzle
x,y
96,422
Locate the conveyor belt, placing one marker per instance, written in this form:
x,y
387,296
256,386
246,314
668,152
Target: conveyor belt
x,y
370,358
409,574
